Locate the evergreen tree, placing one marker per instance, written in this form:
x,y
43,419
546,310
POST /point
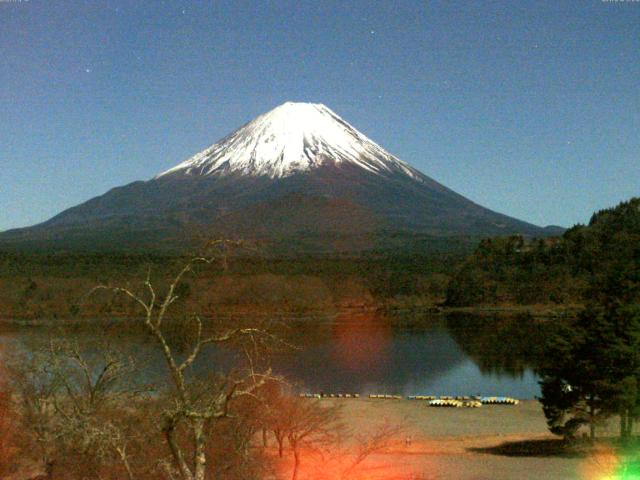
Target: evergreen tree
x,y
592,370
571,380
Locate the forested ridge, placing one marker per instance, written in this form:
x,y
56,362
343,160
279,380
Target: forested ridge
x,y
560,270
502,271
36,284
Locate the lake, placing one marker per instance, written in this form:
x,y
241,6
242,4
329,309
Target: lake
x,y
407,353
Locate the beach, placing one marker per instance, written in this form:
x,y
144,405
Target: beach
x,y
496,442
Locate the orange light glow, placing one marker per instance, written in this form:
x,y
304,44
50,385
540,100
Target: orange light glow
x,y
360,341
337,464
601,464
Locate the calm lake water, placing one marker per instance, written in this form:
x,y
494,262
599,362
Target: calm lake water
x,y
399,353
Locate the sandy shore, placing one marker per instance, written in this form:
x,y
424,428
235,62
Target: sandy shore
x,y
490,442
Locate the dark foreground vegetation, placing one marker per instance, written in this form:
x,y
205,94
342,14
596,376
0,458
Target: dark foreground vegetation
x,y
81,409
503,272
592,366
41,286
561,270
589,366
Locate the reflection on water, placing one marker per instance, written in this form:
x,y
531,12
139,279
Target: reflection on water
x,y
499,345
408,353
350,353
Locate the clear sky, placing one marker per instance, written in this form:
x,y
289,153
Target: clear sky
x,y
531,108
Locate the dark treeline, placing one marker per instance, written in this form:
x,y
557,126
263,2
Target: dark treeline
x,y
501,271
34,284
501,344
592,367
589,366
559,270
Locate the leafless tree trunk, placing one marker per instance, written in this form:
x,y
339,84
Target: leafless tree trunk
x,y
280,436
592,419
186,408
75,408
296,459
6,433
371,444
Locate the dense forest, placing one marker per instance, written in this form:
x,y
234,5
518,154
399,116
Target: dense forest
x,y
562,270
502,271
37,284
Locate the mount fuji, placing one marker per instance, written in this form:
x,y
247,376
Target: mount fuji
x,y
298,176
290,139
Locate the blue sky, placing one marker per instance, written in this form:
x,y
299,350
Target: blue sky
x,y
528,108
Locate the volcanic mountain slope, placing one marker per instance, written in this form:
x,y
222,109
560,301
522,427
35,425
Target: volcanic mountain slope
x,y
297,174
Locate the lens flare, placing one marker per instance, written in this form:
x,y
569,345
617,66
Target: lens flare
x,y
604,463
360,342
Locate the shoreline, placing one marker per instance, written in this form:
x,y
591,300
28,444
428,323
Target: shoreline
x,y
491,442
536,311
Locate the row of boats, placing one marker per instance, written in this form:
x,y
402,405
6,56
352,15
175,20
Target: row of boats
x,y
473,401
330,395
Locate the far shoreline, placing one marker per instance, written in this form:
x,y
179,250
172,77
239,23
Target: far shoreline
x,y
261,311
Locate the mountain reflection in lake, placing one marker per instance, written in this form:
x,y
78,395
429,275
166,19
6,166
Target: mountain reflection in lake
x,y
401,353
415,354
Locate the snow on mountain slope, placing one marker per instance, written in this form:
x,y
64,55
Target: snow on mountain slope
x,y
291,138
298,177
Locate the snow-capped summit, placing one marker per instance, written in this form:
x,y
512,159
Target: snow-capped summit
x,y
291,138
298,178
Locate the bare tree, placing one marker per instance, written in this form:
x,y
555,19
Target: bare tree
x,y
312,426
369,444
315,427
34,386
305,424
309,426
272,413
192,406
7,430
95,399
232,446
79,407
